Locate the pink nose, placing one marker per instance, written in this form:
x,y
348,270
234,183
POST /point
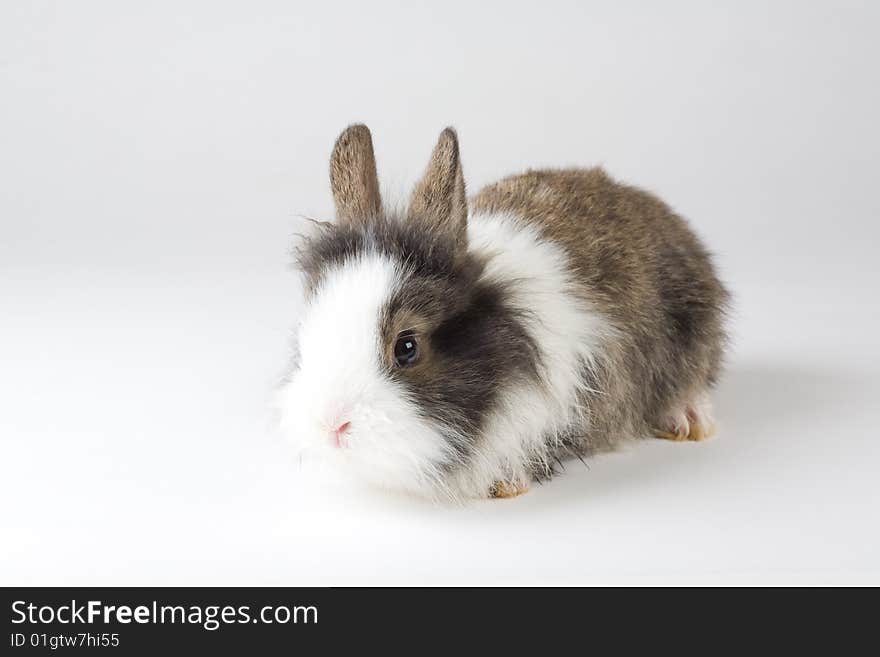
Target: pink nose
x,y
339,433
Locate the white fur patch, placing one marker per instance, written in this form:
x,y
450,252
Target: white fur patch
x,y
339,379
568,333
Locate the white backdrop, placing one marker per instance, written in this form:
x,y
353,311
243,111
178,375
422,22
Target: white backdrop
x,y
153,159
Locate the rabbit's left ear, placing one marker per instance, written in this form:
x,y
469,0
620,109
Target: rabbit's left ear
x,y
353,178
439,201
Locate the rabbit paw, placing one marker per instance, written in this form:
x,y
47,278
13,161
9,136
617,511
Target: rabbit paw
x,y
506,490
691,422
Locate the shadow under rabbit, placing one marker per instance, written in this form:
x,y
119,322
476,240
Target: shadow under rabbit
x,y
758,406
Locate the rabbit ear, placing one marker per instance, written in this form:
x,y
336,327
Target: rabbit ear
x,y
439,200
353,176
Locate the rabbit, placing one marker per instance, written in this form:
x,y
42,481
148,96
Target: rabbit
x,y
463,350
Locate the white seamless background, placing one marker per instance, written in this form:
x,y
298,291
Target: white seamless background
x,y
153,159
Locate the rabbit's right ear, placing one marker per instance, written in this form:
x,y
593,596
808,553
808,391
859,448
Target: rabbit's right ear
x,y
439,201
353,176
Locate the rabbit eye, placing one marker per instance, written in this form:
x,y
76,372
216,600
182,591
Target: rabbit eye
x,y
406,349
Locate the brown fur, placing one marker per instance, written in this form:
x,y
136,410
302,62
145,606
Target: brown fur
x,y
640,265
